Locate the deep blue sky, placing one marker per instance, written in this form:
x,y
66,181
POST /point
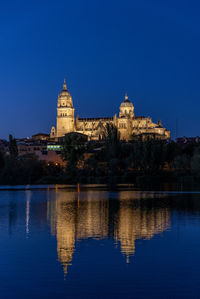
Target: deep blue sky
x,y
149,49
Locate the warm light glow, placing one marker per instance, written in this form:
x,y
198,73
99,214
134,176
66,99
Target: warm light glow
x,y
91,220
126,123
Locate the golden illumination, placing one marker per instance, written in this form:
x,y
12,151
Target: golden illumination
x,y
75,216
126,123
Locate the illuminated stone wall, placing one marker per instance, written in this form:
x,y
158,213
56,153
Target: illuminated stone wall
x,y
126,123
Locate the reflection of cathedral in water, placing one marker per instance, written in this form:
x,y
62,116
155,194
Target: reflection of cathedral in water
x,y
91,214
138,223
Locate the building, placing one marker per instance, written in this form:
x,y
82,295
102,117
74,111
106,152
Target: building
x,y
41,136
41,147
127,123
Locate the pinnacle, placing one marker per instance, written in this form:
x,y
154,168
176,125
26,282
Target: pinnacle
x,y
64,85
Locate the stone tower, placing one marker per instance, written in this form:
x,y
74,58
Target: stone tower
x,y
126,108
65,113
126,115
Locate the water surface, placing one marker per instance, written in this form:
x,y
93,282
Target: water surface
x,y
99,244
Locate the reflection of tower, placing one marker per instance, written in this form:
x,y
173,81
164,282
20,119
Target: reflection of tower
x,y
125,233
28,201
136,222
65,228
77,216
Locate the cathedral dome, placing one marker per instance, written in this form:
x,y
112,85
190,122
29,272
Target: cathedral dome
x,y
126,108
64,98
126,102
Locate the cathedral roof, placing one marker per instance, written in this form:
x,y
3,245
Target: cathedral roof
x,y
94,118
64,91
126,102
65,95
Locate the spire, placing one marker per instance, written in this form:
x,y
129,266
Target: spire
x,y
64,85
126,97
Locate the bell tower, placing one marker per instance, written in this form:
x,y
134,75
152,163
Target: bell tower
x,y
126,115
65,113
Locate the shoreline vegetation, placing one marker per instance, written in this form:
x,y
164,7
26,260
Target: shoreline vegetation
x,y
141,162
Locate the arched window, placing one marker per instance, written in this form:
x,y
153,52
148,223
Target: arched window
x,y
53,132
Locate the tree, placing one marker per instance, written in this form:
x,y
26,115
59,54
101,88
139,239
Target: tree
x,y
2,161
111,137
73,147
147,155
13,147
195,162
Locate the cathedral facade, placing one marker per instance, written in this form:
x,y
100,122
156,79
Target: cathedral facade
x,y
127,123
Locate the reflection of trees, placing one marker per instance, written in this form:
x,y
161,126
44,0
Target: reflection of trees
x,y
88,215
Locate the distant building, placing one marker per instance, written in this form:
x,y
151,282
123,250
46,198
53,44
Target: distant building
x,y
41,136
42,147
127,123
187,140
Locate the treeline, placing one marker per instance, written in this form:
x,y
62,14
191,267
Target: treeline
x,y
137,161
109,161
27,169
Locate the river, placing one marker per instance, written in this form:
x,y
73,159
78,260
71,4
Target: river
x,y
60,243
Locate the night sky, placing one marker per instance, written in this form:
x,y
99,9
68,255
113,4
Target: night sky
x,y
149,49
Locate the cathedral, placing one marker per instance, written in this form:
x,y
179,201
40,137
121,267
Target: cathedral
x,y
127,123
